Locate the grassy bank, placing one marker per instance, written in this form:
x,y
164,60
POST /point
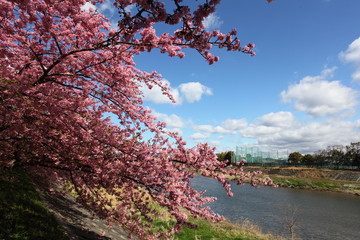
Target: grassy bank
x,y
317,184
24,216
223,231
22,213
306,178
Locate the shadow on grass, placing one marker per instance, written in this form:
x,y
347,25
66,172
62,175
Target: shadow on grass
x,y
22,214
74,217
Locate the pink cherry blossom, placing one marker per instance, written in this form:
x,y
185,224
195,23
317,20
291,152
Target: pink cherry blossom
x,y
64,69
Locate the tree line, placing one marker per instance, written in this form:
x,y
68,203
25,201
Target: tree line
x,y
333,156
336,155
227,157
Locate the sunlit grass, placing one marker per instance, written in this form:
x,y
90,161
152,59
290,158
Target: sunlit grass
x,y
23,216
208,230
310,178
314,183
223,231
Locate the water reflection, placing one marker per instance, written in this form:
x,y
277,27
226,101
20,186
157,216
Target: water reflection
x,y
319,215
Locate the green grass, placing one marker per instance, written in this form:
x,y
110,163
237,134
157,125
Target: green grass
x,y
310,178
22,213
313,183
208,230
24,217
222,231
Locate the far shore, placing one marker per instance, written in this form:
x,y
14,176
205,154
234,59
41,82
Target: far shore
x,y
313,178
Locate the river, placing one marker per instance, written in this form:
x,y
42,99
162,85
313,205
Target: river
x,y
318,215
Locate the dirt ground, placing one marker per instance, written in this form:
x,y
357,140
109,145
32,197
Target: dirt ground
x,y
78,222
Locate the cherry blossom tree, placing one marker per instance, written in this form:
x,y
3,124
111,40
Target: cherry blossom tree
x,y
63,69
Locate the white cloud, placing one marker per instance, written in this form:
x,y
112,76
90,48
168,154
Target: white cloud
x,y
107,5
214,143
328,72
319,97
130,8
86,7
299,136
281,131
171,120
227,127
352,55
310,137
193,91
255,131
234,124
269,124
198,136
209,129
156,95
212,22
177,130
278,119
189,92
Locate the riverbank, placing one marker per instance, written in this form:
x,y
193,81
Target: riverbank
x,y
29,214
317,215
206,229
224,231
313,178
23,214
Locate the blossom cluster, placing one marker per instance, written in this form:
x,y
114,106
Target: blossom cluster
x,y
64,69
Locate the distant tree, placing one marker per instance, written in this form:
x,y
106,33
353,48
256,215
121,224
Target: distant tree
x,y
295,158
308,160
335,155
348,157
320,157
230,156
221,156
226,157
352,155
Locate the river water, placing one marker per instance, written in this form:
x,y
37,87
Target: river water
x,y
318,215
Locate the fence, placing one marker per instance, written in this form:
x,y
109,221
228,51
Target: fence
x,y
256,156
285,164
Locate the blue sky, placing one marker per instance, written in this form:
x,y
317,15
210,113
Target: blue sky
x,y
299,93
